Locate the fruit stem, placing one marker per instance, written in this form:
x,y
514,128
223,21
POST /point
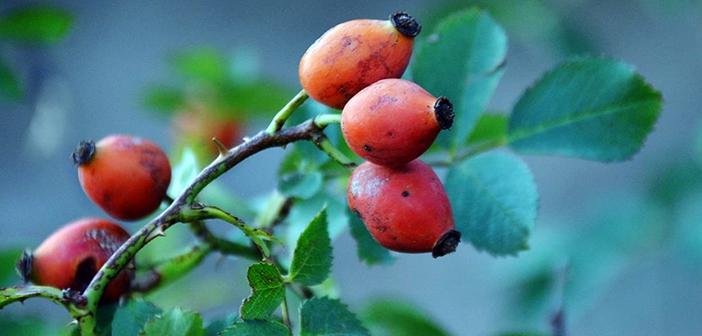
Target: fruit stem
x,y
223,246
324,120
282,116
256,235
405,24
334,153
286,313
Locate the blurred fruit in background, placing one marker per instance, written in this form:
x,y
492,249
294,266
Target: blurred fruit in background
x,y
197,127
214,94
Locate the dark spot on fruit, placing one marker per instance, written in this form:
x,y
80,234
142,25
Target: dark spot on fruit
x,y
84,273
106,199
367,148
390,134
380,228
405,193
346,41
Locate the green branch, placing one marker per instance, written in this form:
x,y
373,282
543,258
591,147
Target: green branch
x,y
180,210
19,294
172,269
324,120
222,245
282,116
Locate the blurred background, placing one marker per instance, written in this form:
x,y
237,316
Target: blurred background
x,y
626,237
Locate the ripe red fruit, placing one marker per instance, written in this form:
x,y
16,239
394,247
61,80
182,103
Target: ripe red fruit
x,y
126,176
405,209
394,121
355,54
71,256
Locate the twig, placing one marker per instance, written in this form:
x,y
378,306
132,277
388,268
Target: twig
x,y
282,116
322,142
172,269
286,313
222,245
173,214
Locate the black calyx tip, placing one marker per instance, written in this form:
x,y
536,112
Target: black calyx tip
x,y
24,266
405,24
83,153
446,244
443,109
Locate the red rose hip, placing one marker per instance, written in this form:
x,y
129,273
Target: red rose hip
x,y
126,176
355,54
394,121
405,209
71,256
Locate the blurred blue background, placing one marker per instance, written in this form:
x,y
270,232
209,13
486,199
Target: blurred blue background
x,y
91,85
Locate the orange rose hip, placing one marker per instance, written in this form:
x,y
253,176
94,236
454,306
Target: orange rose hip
x,y
355,54
405,209
125,176
394,121
72,255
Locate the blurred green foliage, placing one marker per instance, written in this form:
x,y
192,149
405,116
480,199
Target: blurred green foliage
x,y
227,85
35,25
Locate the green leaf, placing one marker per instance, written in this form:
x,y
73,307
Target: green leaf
x,y
26,326
10,88
36,24
166,100
395,318
299,177
323,316
175,322
301,185
257,98
205,64
267,292
494,199
256,328
304,211
130,318
368,250
590,108
490,128
462,60
313,255
216,327
8,258
185,170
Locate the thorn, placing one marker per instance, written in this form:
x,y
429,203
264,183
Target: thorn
x,y
220,147
156,233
